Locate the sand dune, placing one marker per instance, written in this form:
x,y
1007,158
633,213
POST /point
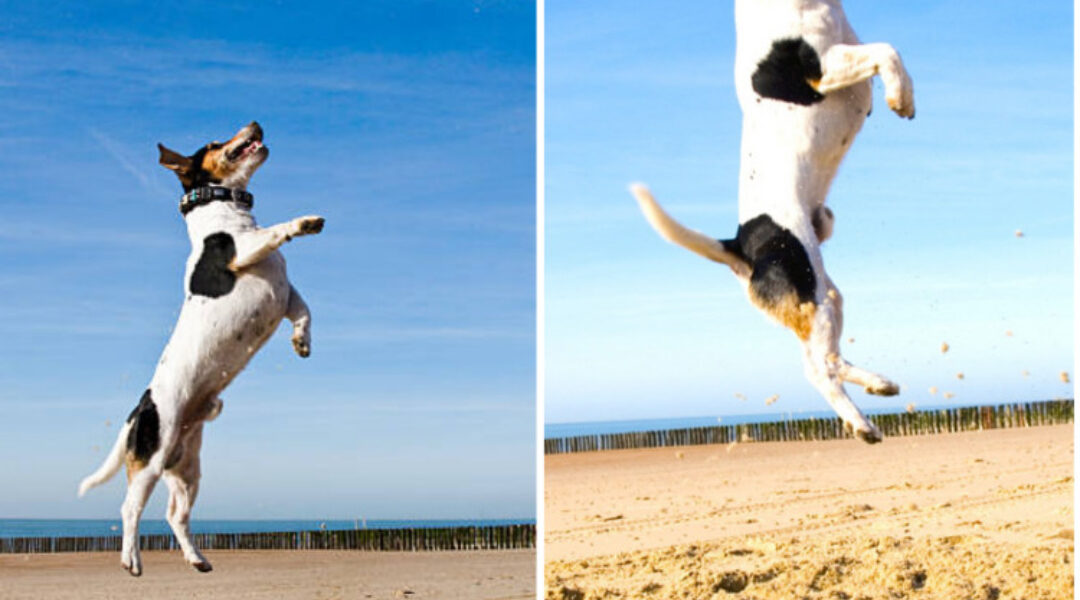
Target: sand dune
x,y
980,515
269,574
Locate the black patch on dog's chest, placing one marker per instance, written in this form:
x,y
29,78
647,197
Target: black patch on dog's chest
x,y
783,74
779,261
212,276
144,436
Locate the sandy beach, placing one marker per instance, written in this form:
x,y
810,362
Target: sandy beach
x,y
321,574
983,515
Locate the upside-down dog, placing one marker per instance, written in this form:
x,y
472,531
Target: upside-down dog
x,y
803,82
236,293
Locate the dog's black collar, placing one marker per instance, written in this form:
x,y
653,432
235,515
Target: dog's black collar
x,y
205,195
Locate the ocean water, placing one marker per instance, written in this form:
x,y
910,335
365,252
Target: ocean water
x,y
13,528
562,430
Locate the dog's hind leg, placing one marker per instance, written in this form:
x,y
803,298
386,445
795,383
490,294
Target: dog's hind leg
x,y
870,381
183,481
300,316
253,246
147,446
140,483
824,368
848,64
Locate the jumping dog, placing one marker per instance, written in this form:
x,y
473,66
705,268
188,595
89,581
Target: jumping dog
x,y
803,82
236,294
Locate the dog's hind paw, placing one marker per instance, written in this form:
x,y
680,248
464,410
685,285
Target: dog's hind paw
x,y
886,388
871,436
135,569
866,432
203,566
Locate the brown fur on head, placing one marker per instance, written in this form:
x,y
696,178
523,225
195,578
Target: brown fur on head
x,y
230,164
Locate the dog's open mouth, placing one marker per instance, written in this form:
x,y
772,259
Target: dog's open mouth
x,y
246,148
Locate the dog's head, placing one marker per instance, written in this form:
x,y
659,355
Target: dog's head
x,y
230,164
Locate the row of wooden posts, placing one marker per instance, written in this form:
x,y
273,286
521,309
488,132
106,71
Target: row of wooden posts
x,y
495,537
923,422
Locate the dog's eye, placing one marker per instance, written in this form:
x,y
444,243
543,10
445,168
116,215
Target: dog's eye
x,y
214,145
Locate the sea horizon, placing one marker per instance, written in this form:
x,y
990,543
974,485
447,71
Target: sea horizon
x,y
580,428
17,528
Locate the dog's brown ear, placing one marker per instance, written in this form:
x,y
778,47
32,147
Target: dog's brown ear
x,y
174,160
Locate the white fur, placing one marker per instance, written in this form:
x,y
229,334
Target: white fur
x,y
790,155
212,342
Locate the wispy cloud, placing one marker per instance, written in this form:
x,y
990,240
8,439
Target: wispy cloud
x,y
53,232
120,155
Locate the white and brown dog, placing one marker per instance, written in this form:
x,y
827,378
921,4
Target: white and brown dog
x,y
236,294
803,83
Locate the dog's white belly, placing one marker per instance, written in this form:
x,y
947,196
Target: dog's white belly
x,y
215,338
790,154
791,151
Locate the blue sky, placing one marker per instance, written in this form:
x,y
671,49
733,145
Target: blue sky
x,y
924,248
408,125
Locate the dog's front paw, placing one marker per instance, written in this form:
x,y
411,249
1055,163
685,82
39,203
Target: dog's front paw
x,y
900,93
302,345
203,566
309,225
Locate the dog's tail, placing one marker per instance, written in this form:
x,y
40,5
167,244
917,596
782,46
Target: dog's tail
x,y
674,232
112,463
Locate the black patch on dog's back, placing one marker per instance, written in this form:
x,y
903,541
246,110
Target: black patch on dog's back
x,y
212,276
783,74
779,262
144,436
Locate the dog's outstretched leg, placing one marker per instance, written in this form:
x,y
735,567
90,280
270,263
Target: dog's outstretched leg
x,y
875,384
300,316
824,370
183,481
844,65
253,246
872,382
